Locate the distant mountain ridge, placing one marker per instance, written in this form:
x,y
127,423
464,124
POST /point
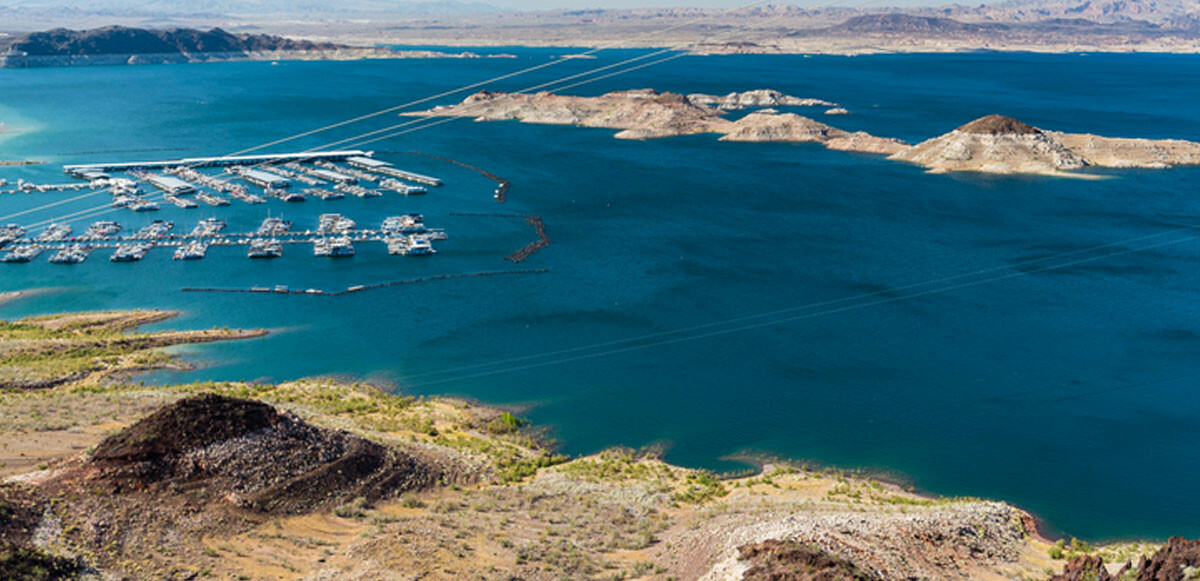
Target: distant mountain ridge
x,y
137,41
115,45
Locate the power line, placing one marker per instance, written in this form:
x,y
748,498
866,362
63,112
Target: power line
x,y
101,211
793,318
819,304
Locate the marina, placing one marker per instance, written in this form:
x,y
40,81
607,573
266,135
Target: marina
x,y
185,184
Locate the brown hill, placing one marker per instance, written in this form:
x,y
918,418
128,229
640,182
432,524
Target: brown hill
x,y
999,144
998,125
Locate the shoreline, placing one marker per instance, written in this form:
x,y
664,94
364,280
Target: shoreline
x,y
377,49
761,460
605,43
353,53
692,520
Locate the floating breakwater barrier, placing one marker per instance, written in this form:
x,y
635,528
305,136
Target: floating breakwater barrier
x,y
525,252
285,290
542,241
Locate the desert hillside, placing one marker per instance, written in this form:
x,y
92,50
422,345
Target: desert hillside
x,y
320,479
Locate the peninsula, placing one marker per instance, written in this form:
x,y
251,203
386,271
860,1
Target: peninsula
x,y
123,45
999,144
320,479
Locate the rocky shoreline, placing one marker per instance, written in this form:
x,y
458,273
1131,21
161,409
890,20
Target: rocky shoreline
x,y
649,114
338,54
324,479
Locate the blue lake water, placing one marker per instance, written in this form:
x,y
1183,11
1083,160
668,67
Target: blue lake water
x,y
1069,391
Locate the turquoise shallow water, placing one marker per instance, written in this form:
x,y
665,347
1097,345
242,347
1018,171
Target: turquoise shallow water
x,y
1069,391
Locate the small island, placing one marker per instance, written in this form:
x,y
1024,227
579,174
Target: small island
x,y
647,114
992,144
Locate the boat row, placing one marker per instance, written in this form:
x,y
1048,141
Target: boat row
x,y
335,236
10,233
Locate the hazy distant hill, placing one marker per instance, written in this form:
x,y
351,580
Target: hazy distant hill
x,y
238,7
897,22
1095,10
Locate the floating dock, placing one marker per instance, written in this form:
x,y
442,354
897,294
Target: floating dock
x,y
261,178
270,158
384,168
171,185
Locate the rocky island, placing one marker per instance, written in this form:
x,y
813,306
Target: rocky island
x,y
113,45
999,144
646,114
757,98
992,144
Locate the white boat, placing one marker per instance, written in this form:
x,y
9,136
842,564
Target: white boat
x,y
265,249
131,252
73,254
208,227
404,224
336,247
411,245
155,229
54,233
335,223
191,251
273,227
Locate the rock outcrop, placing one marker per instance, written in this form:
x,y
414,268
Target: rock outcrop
x,y
1086,568
645,114
775,560
1179,559
942,542
999,144
252,456
756,99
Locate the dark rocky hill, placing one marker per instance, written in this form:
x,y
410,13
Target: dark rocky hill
x,y
998,125
136,41
256,457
